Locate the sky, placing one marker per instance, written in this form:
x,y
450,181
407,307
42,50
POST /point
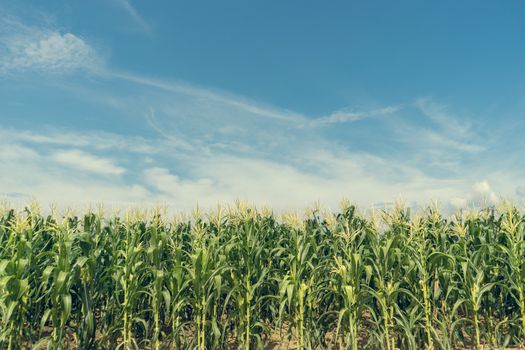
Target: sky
x,y
279,103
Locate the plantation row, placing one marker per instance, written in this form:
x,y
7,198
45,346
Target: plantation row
x,y
240,278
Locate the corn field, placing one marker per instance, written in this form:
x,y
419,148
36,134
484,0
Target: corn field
x,y
242,278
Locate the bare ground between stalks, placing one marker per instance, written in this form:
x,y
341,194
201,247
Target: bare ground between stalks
x,y
276,342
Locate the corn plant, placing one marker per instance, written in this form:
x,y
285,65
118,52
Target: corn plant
x,y
156,268
248,276
387,262
295,286
513,227
14,285
350,276
204,274
58,280
128,276
242,278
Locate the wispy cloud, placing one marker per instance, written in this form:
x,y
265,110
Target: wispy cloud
x,y
39,49
84,161
134,15
213,146
339,117
444,141
439,114
434,139
177,141
98,140
310,171
348,116
231,100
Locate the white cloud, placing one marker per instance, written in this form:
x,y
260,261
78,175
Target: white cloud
x,y
27,174
327,178
83,161
166,182
207,146
482,193
319,172
25,48
13,151
458,203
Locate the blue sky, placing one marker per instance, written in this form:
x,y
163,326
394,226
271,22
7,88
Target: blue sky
x,y
278,102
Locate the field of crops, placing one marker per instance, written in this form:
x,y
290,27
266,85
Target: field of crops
x,y
246,279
